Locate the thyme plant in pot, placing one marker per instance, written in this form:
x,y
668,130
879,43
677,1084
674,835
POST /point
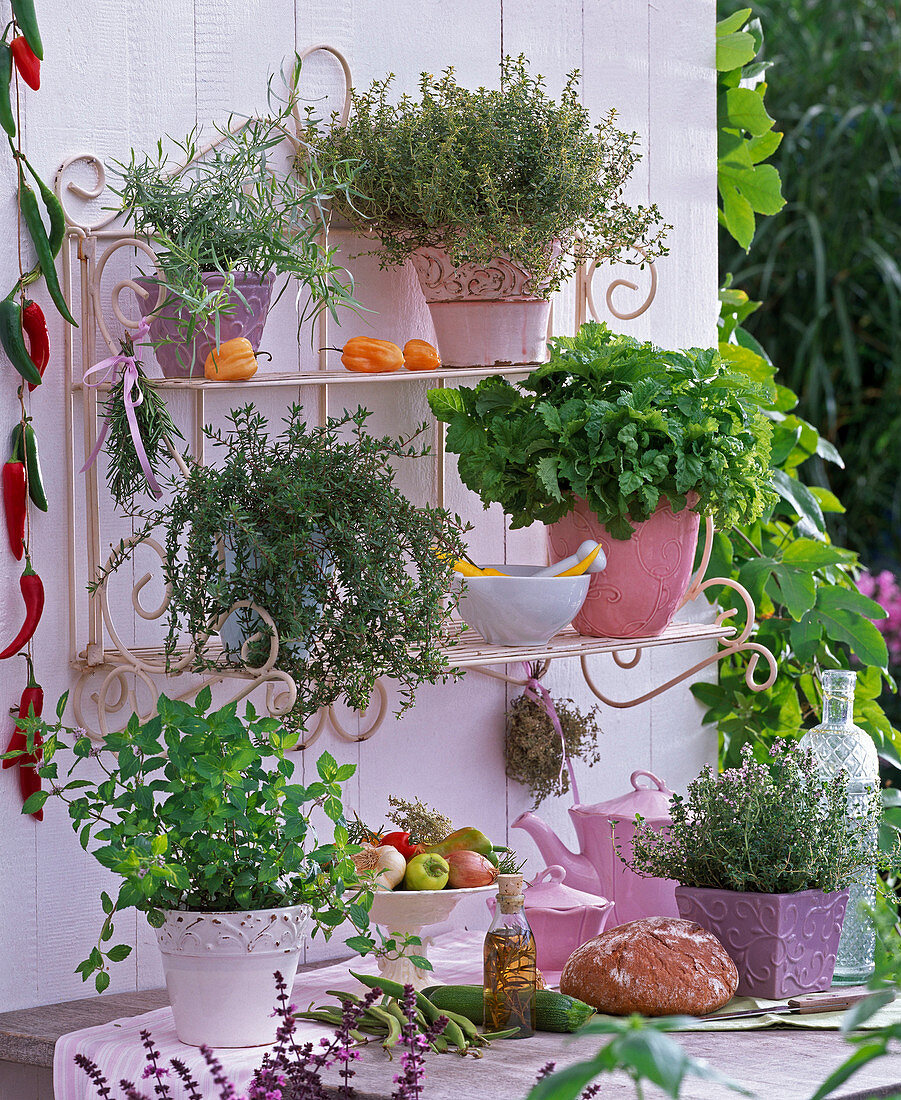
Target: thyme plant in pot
x,y
341,578
764,855
494,195
622,442
225,228
196,812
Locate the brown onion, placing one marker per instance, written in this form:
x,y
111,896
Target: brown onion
x,y
469,869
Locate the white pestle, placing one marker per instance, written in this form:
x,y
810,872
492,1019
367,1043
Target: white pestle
x,y
599,563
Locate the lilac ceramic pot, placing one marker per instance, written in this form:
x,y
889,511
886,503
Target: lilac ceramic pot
x,y
782,944
646,576
246,318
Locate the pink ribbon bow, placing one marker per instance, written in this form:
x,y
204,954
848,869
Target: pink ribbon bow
x,y
131,397
535,690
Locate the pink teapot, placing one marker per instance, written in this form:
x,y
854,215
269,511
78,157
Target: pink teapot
x,y
600,830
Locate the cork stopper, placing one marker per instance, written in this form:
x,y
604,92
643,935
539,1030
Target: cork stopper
x,y
509,893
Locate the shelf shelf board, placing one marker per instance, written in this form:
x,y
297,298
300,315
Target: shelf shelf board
x,y
274,379
466,648
471,649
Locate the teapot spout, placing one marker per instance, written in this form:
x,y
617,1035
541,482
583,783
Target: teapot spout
x,y
580,872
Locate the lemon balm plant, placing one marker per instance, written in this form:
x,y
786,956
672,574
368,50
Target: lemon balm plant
x,y
196,811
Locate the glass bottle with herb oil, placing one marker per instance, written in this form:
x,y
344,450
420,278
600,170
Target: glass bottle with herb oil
x,y
510,963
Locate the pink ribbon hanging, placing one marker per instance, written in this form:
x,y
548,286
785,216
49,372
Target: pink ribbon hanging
x,y
131,397
535,690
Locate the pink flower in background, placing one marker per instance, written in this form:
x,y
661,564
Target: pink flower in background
x,y
884,589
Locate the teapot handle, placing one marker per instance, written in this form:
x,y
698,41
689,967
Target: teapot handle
x,y
655,780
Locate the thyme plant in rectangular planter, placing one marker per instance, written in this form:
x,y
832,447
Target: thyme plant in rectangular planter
x,y
764,856
495,195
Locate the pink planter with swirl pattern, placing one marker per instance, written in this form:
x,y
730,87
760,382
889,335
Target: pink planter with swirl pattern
x,y
782,944
646,577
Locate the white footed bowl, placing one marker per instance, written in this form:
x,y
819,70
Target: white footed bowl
x,y
406,913
521,609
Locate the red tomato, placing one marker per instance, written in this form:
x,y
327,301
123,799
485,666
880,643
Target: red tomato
x,y
401,841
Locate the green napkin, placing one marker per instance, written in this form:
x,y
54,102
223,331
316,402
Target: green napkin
x,y
829,1021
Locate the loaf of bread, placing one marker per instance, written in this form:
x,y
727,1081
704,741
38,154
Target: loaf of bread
x,y
660,966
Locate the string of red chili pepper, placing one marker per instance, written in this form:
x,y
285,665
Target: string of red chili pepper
x,y
24,336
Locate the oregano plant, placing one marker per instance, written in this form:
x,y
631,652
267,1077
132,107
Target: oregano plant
x,y
196,809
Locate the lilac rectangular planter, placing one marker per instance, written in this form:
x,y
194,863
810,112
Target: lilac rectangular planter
x,y
782,944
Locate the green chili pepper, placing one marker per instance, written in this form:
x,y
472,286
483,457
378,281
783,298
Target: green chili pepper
x,y
25,442
23,12
54,211
13,340
32,216
7,121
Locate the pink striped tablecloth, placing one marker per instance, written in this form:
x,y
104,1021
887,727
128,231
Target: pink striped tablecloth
x,y
116,1047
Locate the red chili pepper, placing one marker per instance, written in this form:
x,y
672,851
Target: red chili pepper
x,y
15,493
32,590
401,841
34,325
27,62
31,704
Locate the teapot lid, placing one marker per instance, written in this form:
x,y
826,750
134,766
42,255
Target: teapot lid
x,y
651,801
547,890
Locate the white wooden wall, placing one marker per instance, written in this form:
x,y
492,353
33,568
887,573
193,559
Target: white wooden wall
x,y
118,74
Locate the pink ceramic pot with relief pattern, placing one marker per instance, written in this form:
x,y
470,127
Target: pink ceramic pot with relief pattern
x,y
646,577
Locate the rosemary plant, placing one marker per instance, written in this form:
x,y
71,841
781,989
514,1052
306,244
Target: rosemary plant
x,y
235,209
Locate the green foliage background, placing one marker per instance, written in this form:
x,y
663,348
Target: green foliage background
x,y
828,269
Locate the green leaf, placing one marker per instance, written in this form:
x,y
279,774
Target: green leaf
x,y
810,554
344,772
861,1012
445,403
327,767
742,108
800,498
546,472
874,1048
35,801
734,50
737,215
101,982
760,186
568,1083
835,596
763,146
798,590
733,22
118,953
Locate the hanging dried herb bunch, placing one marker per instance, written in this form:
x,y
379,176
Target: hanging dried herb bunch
x,y
125,475
532,747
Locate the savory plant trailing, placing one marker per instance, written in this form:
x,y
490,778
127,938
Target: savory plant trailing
x,y
771,827
621,423
195,809
354,575
486,172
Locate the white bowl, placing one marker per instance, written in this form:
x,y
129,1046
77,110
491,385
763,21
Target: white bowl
x,y
407,913
521,609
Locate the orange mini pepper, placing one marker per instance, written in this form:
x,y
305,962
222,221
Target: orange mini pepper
x,y
362,353
233,361
420,355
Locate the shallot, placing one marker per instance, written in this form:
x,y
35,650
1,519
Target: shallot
x,y
469,869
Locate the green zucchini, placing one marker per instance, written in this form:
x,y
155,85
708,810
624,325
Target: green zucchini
x,y
553,1011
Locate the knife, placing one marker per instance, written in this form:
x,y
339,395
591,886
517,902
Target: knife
x,y
798,1006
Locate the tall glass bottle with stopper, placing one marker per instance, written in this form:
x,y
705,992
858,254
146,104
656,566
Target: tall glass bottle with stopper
x,y
840,746
510,963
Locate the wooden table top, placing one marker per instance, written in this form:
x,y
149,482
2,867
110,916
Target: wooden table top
x,y
777,1063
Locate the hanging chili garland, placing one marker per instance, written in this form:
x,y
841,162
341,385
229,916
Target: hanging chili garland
x,y
25,340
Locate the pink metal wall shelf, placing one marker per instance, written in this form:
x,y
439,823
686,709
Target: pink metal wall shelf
x,y
116,676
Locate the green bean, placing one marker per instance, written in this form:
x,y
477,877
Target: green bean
x,y
392,1023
